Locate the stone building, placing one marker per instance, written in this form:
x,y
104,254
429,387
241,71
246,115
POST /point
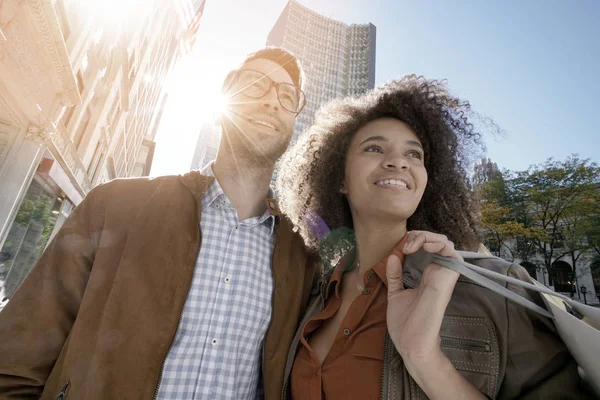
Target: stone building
x,y
81,96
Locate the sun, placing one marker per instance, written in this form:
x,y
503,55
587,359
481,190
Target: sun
x,y
221,104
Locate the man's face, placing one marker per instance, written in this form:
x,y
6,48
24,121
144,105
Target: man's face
x,y
259,128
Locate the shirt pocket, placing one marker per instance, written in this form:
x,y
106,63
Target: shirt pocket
x,y
471,345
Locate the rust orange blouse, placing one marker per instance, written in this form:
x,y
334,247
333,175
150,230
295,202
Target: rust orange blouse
x,y
354,365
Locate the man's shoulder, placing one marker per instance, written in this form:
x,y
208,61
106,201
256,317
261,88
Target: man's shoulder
x,y
125,185
135,190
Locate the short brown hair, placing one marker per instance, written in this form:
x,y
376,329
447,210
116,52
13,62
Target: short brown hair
x,y
279,55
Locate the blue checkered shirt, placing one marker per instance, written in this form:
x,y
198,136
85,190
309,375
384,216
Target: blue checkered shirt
x,y
216,353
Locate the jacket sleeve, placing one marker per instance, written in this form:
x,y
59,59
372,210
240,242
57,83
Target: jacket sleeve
x,y
36,322
539,366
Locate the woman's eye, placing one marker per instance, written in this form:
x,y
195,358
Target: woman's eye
x,y
416,154
373,149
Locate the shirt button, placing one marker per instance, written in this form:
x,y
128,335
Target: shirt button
x,y
214,342
367,291
227,279
347,331
371,276
236,227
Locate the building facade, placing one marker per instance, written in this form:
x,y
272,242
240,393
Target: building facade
x,y
338,59
80,100
484,171
562,277
207,145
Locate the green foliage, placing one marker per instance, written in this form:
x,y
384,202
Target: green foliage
x,y
24,213
551,209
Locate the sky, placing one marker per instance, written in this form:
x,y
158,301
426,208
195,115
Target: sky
x,y
532,66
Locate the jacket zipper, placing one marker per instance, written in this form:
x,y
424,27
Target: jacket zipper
x,y
385,374
61,395
467,344
387,350
164,360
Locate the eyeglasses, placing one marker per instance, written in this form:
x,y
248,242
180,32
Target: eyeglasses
x,y
255,85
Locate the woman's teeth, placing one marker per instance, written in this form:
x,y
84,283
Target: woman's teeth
x,y
392,182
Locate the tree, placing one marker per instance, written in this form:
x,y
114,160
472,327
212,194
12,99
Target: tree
x,y
554,199
592,231
503,233
43,214
575,224
24,213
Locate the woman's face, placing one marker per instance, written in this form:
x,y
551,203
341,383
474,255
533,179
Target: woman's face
x,y
385,174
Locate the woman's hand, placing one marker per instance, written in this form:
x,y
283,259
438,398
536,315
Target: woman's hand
x,y
414,318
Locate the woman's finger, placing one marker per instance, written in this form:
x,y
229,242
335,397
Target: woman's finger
x,y
444,248
393,272
417,239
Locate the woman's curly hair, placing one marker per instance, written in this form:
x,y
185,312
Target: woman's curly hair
x,y
312,171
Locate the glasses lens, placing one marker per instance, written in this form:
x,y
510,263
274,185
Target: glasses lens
x,y
290,97
253,84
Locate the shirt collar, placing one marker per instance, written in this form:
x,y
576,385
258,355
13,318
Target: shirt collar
x,y
215,192
214,189
378,268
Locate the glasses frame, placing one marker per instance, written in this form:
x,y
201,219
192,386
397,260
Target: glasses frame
x,y
272,84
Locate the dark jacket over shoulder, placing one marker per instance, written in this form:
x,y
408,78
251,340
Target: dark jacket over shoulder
x,y
503,349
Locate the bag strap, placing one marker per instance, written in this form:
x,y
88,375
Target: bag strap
x,y
482,277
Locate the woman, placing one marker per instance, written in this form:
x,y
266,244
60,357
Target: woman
x,y
390,167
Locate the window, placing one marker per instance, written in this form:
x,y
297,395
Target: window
x,y
87,116
80,85
96,161
531,269
595,270
29,234
561,275
68,115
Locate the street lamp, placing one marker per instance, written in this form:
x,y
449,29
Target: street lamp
x,y
584,292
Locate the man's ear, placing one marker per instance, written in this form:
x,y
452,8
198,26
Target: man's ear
x,y
228,82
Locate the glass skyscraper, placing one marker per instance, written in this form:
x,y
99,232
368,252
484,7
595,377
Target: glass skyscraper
x,y
338,59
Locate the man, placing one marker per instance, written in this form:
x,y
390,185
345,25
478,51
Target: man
x,y
176,287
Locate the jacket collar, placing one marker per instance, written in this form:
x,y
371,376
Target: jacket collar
x,y
198,185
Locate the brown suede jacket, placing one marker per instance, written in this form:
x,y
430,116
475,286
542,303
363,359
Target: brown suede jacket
x,y
97,315
505,350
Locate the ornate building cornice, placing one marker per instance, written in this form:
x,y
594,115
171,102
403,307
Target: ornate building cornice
x,y
54,44
38,134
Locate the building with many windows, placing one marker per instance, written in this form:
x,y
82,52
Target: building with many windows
x,y
338,59
81,96
207,145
